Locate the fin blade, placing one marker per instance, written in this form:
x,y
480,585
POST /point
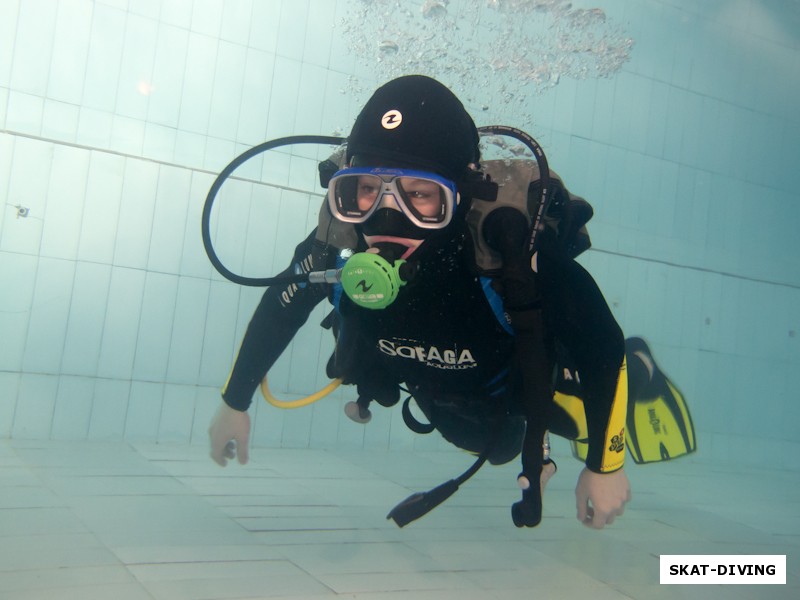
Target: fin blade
x,y
660,428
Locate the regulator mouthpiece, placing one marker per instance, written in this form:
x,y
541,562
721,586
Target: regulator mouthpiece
x,y
371,281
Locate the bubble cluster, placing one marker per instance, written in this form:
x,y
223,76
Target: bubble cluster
x,y
497,53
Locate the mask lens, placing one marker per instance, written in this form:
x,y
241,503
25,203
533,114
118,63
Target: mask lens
x,y
355,195
427,199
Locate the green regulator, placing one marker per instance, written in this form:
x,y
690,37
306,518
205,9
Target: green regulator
x,y
368,279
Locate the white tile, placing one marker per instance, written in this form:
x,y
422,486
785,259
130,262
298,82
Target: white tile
x,y
135,67
144,410
94,128
178,13
370,582
320,30
170,65
71,41
198,83
127,492
22,494
235,26
218,341
49,313
207,400
103,61
101,208
176,414
27,187
6,154
293,30
169,219
86,317
277,581
341,541
119,591
73,408
42,579
54,549
32,46
121,326
226,97
109,407
158,309
39,520
136,214
65,202
36,399
127,135
159,142
24,113
9,14
207,17
264,27
284,98
186,344
218,153
258,78
237,209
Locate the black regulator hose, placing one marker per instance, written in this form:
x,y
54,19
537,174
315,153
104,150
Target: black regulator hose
x,y
215,187
536,226
537,223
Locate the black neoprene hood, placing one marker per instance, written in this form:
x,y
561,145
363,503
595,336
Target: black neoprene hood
x,y
418,121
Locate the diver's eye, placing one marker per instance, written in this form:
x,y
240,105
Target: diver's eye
x,y
367,191
424,196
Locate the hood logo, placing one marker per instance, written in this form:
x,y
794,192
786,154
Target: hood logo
x,y
391,119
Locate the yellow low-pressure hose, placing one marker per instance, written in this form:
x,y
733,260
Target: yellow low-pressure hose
x,y
301,401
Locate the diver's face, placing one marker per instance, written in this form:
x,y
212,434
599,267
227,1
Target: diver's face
x,y
390,228
397,205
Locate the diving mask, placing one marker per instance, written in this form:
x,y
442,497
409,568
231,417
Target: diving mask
x,y
426,199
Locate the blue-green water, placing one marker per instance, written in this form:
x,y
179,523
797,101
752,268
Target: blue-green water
x,y
677,120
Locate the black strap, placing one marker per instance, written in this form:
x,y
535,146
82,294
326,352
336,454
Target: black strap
x,y
412,423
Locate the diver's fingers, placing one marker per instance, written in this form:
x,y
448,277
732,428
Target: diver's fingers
x,y
229,435
243,447
218,456
229,451
582,504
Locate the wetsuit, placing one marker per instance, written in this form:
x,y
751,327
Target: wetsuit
x,y
447,340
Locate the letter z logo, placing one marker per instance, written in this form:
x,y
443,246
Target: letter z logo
x,y
391,119
363,285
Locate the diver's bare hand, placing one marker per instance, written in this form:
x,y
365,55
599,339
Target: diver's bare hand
x,y
229,434
601,497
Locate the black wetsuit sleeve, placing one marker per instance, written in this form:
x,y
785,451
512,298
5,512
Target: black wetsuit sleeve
x,y
577,314
282,311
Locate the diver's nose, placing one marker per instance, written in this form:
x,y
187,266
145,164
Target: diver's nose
x,y
389,200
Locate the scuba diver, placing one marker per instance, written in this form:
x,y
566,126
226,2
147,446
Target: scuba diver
x,y
481,313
